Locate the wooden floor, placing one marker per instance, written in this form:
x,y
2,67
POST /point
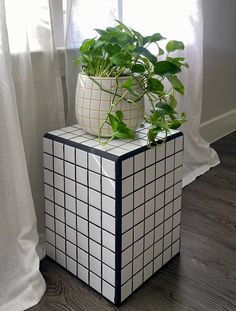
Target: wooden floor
x,y
202,278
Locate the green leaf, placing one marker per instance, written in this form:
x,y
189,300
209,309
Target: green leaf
x,y
172,101
143,51
112,49
123,26
121,59
177,61
113,121
174,45
165,68
175,124
138,68
119,115
138,36
123,131
154,85
154,38
128,83
161,51
152,134
86,45
164,109
176,84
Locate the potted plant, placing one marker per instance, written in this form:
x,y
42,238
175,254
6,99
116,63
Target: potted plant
x,y
118,71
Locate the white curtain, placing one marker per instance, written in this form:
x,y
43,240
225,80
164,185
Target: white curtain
x,y
179,20
30,105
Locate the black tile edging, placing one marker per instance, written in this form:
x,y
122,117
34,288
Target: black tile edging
x,y
118,230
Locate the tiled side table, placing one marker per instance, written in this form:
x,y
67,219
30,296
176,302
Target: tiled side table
x,y
113,212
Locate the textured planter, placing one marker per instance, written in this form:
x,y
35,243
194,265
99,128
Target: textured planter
x,y
92,104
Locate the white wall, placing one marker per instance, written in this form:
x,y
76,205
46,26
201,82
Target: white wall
x,y
219,67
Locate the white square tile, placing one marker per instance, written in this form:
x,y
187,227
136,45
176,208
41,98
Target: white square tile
x,y
70,187
157,263
127,167
178,143
150,173
168,195
160,168
95,163
60,243
59,182
138,231
108,168
138,197
176,233
150,190
48,161
82,193
148,239
179,159
95,233
82,209
160,152
95,249
108,274
126,290
170,147
167,225
139,162
127,222
50,236
138,264
149,223
50,250
166,255
138,214
59,213
167,240
108,291
108,223
95,181
95,282
70,235
126,273
127,239
176,219
71,265
177,189
49,207
169,179
158,232
138,247
71,250
108,257
127,204
48,177
71,219
169,164
69,153
149,207
137,280
95,198
158,247
159,217
58,166
59,197
126,256
82,225
82,241
160,185
127,186
139,180
58,149
147,272
47,145
95,266
175,248
81,175
48,192
108,186
177,204
108,240
70,170
61,258
60,228
108,205
70,203
150,156
95,216
178,174
83,273
168,210
159,203
81,158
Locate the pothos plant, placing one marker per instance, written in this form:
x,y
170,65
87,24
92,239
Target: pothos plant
x,y
122,51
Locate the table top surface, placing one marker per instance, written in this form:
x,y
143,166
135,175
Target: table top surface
x,y
117,148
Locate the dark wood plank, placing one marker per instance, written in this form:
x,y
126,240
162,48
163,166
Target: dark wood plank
x,y
202,278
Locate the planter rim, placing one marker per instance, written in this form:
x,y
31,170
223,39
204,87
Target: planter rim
x,y
103,78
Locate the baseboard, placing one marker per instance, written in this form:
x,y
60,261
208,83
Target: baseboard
x,y
218,127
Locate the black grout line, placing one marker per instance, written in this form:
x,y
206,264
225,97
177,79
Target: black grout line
x,y
89,253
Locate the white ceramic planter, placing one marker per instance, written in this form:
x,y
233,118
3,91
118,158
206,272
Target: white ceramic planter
x,y
92,104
